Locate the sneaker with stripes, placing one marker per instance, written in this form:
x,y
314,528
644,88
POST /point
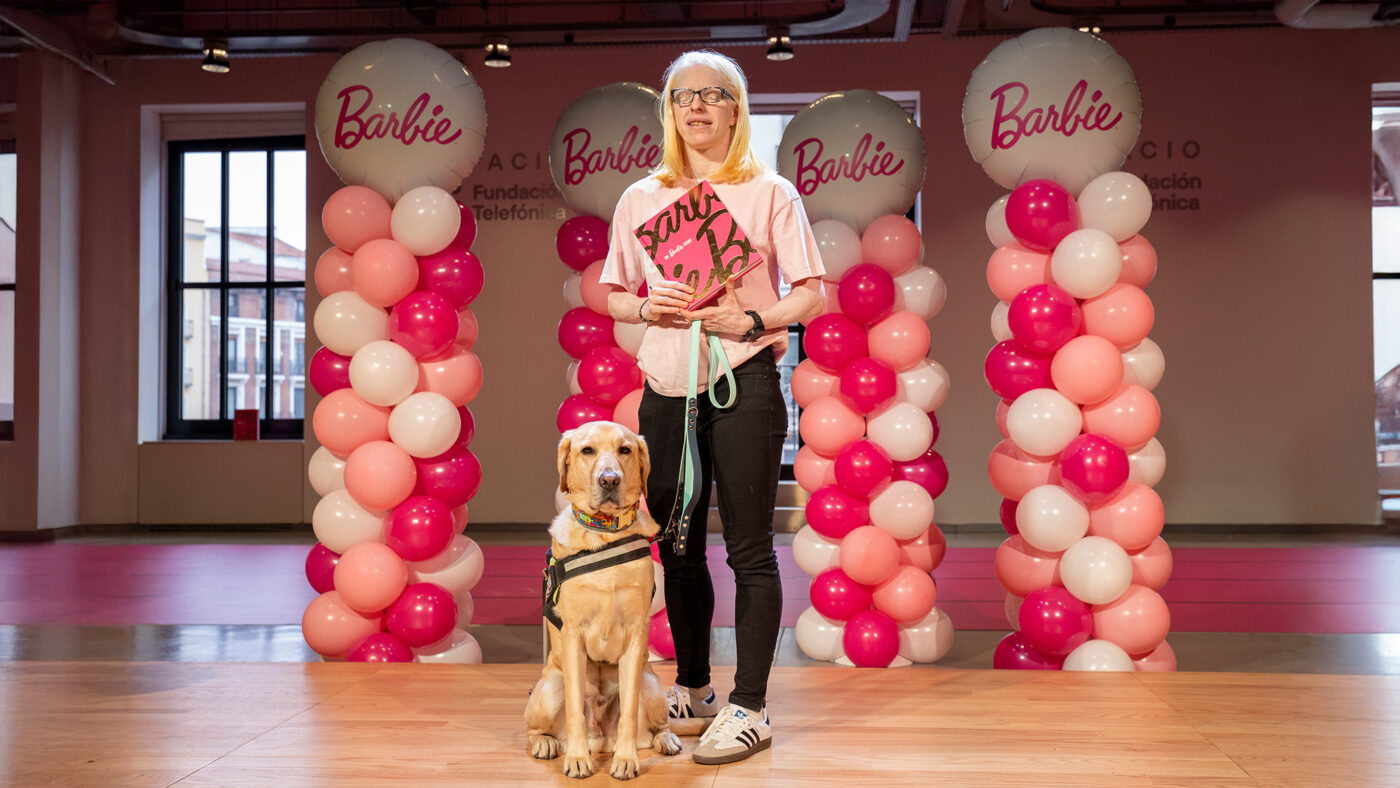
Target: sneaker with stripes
x,y
688,716
735,734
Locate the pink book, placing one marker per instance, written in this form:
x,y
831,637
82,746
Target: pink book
x,y
696,240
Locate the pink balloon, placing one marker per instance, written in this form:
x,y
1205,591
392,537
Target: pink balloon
x,y
578,409
1162,660
354,215
866,293
457,375
906,596
871,639
582,240
420,528
607,374
625,413
900,340
333,271
383,271
1013,653
810,383
1003,408
328,371
1087,369
331,627
423,614
1012,370
454,273
379,475
424,324
925,551
1130,417
860,467
370,577
892,242
868,384
452,477
1053,622
928,470
1022,569
466,328
595,293
869,555
1133,518
1123,315
835,595
833,341
1012,268
467,431
659,637
1093,468
1040,213
381,647
828,424
813,471
320,568
1043,318
1152,565
1137,621
582,329
1007,513
343,421
1139,262
933,423
1013,472
466,231
833,512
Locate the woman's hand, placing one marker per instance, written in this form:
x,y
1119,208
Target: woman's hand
x,y
667,297
726,317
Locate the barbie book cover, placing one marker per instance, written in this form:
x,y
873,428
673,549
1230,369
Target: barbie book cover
x,y
695,240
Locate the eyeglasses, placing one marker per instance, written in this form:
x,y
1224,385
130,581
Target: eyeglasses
x,y
713,95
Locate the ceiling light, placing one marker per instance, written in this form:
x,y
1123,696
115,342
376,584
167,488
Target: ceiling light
x,y
498,54
780,47
215,56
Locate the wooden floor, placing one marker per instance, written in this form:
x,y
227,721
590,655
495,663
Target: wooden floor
x,y
250,724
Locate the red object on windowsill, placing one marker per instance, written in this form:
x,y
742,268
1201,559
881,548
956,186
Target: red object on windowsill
x,y
245,424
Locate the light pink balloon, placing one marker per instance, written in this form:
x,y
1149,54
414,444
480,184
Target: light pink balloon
x,y
1013,267
383,271
1139,262
370,576
812,470
924,551
333,271
1003,409
869,555
466,328
354,215
1137,621
595,293
1087,369
891,242
1162,660
625,411
456,375
1133,518
810,383
1152,565
907,596
331,627
828,424
900,340
1014,473
1123,315
1022,569
343,421
379,475
1129,418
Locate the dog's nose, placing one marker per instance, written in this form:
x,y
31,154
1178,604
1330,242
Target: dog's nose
x,y
609,480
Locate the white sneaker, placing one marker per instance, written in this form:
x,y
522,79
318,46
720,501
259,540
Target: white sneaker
x,y
687,717
735,734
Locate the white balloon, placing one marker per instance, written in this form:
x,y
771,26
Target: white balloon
x,y
839,246
1051,519
345,322
926,640
573,290
425,425
571,375
425,220
658,597
920,290
904,509
1043,421
1144,364
466,608
1086,263
1001,325
1099,655
605,141
1011,606
1118,203
997,231
400,113
818,636
813,552
1148,464
902,430
326,471
383,373
459,648
629,336
457,569
340,523
1095,570
924,385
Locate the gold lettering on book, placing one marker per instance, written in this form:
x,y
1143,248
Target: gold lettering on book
x,y
730,252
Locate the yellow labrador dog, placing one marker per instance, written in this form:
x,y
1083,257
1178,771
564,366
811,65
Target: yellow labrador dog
x,y
598,693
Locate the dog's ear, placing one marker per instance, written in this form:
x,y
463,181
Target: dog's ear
x,y
565,446
644,460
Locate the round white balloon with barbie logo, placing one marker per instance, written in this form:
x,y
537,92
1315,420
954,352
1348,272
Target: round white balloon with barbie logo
x,y
1051,103
397,114
855,156
605,141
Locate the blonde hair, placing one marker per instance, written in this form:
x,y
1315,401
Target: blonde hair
x,y
741,163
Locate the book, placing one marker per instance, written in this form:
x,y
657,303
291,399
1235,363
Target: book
x,y
696,240
245,424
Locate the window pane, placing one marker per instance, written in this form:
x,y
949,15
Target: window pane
x,y
1385,239
8,190
203,200
289,209
786,365
247,338
288,353
201,354
247,217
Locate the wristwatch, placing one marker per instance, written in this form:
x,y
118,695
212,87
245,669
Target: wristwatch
x,y
757,330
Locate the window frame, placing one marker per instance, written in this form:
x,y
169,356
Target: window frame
x,y
7,426
176,426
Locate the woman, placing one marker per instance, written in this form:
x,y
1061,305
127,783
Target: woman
x,y
705,116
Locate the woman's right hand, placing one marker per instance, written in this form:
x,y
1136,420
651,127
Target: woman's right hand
x,y
667,297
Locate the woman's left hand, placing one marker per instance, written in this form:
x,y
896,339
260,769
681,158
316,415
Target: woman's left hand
x,y
726,317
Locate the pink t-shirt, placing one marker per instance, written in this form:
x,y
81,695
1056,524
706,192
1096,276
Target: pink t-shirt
x,y
769,210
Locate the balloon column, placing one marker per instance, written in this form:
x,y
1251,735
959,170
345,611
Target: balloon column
x,y
396,371
868,390
1073,366
606,140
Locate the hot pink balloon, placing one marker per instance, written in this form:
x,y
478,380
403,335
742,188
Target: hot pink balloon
x,y
1013,472
833,512
810,383
1011,370
381,647
833,341
1053,622
835,595
866,293
453,477
320,568
1007,513
466,328
582,240
578,409
928,470
466,231
868,384
933,423
1043,318
1040,213
1012,268
607,374
328,371
860,467
423,614
871,639
454,273
468,430
424,324
582,329
419,528
354,215
659,636
1093,468
1013,653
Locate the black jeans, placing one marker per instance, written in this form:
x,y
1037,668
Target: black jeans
x,y
741,450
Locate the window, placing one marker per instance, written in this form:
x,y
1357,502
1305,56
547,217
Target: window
x,y
1385,285
237,285
9,188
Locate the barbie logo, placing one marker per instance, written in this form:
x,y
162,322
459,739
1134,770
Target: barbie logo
x,y
813,171
1010,127
352,127
580,161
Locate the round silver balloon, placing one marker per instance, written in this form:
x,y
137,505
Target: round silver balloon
x,y
605,141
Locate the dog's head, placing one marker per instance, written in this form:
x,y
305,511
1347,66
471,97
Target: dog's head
x,y
603,467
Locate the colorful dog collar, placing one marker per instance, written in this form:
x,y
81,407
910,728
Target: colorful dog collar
x,y
605,522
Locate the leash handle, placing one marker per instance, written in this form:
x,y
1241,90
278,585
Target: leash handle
x,y
687,485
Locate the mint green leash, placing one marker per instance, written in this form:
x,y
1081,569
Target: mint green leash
x,y
687,487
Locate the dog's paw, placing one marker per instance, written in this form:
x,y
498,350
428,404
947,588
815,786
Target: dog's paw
x,y
544,747
625,767
666,743
578,765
